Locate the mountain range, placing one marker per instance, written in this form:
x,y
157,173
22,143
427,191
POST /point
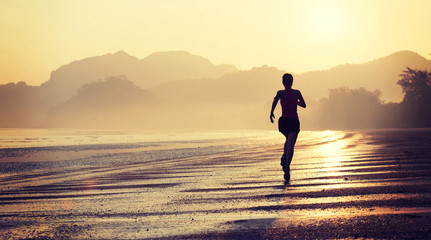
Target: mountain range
x,y
180,90
155,69
380,74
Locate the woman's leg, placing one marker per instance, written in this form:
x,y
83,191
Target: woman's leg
x,y
284,157
289,145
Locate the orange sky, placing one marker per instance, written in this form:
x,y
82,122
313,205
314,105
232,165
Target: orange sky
x,y
38,36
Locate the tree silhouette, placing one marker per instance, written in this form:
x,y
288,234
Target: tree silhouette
x,y
415,110
415,84
347,108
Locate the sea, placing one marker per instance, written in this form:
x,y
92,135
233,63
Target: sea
x,y
23,149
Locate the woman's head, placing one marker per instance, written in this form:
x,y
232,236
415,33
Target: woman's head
x,y
287,80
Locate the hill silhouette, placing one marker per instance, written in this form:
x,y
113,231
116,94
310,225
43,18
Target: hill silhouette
x,y
180,90
253,86
381,74
157,68
114,101
22,105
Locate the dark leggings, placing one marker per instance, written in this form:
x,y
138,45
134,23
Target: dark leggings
x,y
289,145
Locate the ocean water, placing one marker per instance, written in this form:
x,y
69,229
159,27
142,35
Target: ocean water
x,y
31,149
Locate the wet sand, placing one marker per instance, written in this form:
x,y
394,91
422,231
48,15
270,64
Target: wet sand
x,y
356,184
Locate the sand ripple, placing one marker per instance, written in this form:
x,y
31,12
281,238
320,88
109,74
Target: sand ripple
x,y
364,184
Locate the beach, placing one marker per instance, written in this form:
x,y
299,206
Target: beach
x,y
344,184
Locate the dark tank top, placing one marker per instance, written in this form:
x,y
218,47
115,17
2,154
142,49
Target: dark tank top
x,y
289,102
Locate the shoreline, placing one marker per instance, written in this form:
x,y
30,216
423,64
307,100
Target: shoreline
x,y
349,184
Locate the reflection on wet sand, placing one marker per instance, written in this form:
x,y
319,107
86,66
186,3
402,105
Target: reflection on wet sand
x,y
365,184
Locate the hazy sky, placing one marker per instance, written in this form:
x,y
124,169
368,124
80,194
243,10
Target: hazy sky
x,y
38,36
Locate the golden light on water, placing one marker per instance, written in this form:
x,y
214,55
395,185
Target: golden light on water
x,y
333,151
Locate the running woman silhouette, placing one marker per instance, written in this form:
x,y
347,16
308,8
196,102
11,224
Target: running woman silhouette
x,y
288,123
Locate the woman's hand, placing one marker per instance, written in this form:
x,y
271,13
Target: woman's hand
x,y
271,117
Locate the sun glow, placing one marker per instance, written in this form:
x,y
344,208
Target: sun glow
x,y
38,37
325,23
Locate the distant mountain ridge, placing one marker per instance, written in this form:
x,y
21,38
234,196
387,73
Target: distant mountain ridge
x,y
163,67
381,74
178,89
157,68
259,84
100,104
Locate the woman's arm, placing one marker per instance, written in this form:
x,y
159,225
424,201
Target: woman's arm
x,y
301,101
274,104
